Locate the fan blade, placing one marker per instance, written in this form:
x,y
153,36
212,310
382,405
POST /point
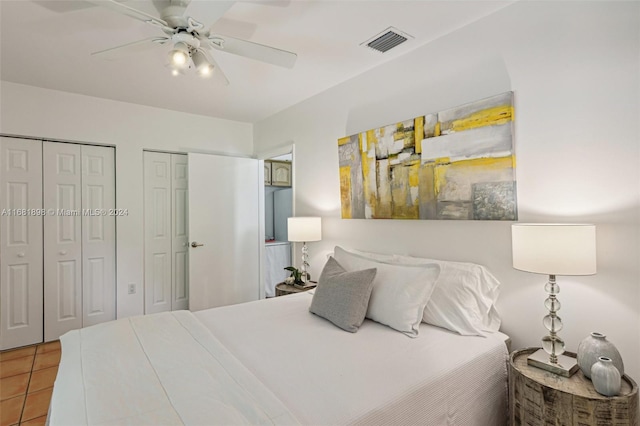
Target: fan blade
x,y
217,73
133,13
240,29
253,50
136,46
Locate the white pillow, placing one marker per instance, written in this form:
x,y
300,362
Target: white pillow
x,y
463,299
378,257
400,292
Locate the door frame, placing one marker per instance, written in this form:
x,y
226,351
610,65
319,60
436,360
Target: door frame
x,y
286,148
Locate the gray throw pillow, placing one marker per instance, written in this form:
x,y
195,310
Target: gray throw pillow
x,y
343,297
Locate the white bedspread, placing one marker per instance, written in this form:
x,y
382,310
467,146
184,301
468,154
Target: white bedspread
x,y
327,376
159,369
272,362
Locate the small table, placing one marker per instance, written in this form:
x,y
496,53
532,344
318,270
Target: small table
x,y
283,289
538,397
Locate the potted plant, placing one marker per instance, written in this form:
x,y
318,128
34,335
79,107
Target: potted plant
x,y
296,277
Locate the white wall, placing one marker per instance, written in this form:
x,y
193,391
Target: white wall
x,y
31,111
574,67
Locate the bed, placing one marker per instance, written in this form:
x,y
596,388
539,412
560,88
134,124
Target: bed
x,y
273,362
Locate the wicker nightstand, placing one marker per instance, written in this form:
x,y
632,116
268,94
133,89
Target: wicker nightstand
x,y
283,289
538,397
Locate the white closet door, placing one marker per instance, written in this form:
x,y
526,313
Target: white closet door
x,y
157,232
20,243
98,235
180,231
62,239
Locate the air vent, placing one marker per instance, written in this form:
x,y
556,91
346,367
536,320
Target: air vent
x,y
387,40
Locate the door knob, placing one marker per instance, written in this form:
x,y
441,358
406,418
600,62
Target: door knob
x,y
194,244
21,254
63,252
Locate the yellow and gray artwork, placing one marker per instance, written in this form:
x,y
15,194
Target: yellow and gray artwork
x,y
454,164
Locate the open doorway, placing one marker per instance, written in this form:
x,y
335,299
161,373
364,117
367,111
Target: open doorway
x,y
278,207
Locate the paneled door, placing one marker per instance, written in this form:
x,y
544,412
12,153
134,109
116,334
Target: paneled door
x,y
157,232
79,237
98,235
62,196
20,242
57,239
179,231
166,232
224,223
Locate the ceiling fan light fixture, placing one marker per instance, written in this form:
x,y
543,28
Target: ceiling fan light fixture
x,y
190,41
203,67
205,71
179,56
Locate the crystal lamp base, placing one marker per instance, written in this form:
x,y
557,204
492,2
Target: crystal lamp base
x,y
565,366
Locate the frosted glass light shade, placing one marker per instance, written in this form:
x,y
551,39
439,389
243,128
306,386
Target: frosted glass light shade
x,y
554,249
179,56
304,229
203,67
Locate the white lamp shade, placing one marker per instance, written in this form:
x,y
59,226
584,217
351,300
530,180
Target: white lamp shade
x,y
304,229
554,249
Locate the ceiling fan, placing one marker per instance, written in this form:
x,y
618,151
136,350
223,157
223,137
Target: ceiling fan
x,y
191,41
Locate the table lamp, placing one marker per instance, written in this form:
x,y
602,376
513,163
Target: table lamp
x,y
304,229
554,249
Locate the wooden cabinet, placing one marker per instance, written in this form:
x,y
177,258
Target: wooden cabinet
x,y
267,172
538,397
280,173
277,173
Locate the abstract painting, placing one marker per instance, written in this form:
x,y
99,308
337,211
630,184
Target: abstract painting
x,y
454,164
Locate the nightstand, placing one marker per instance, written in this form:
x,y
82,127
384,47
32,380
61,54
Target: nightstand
x,y
538,397
283,289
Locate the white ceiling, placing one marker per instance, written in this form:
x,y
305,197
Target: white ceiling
x,y
51,49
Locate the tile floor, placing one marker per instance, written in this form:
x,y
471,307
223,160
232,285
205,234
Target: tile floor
x,y
26,383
